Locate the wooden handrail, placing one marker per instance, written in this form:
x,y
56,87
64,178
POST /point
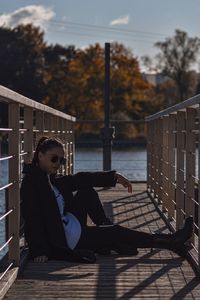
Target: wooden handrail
x,y
7,95
192,103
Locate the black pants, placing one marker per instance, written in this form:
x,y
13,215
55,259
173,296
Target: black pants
x,y
113,237
86,202
96,237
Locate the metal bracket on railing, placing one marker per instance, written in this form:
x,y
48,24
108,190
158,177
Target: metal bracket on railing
x,y
107,134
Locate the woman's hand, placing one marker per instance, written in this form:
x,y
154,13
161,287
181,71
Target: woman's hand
x,y
124,181
42,258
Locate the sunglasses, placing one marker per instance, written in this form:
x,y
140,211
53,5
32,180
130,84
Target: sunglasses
x,y
56,159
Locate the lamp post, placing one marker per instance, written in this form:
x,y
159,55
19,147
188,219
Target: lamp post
x,y
107,133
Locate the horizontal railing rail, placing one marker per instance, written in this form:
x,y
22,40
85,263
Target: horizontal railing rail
x,y
173,165
26,120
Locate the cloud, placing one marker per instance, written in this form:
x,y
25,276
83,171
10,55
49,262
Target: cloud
x,y
38,15
120,21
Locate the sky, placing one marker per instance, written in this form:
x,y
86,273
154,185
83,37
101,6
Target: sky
x,y
138,24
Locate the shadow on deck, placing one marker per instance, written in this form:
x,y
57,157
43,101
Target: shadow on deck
x,y
157,274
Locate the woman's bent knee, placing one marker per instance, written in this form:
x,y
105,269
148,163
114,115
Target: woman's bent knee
x,y
89,192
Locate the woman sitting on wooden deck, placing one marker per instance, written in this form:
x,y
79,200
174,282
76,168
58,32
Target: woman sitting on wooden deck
x,y
55,220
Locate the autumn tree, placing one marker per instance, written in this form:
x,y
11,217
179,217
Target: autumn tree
x,y
57,59
129,91
81,90
85,79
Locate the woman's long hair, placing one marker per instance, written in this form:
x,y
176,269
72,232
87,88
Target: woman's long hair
x,y
44,144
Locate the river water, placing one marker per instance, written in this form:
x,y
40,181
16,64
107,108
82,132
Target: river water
x,y
131,161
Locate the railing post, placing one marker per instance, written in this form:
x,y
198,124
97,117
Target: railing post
x,y
51,125
13,192
160,159
180,169
65,137
39,123
46,124
165,161
190,162
171,165
149,155
153,157
66,144
28,134
148,126
65,134
199,188
72,148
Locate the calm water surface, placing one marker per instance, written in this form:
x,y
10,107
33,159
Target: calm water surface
x,y
131,162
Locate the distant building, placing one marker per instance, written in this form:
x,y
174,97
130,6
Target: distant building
x,y
155,79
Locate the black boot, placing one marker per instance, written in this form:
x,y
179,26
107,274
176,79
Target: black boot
x,y
176,241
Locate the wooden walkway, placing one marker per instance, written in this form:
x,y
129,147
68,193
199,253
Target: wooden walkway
x,y
157,274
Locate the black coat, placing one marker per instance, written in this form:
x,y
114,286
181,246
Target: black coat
x,y
43,227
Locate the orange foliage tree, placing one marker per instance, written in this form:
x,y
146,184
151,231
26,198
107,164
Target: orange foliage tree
x,y
85,75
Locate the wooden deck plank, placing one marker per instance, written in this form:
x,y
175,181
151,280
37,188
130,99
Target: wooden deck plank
x,y
157,274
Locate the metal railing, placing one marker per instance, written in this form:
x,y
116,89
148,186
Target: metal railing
x,y
27,120
173,165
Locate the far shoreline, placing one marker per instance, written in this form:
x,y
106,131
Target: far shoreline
x,y
115,143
